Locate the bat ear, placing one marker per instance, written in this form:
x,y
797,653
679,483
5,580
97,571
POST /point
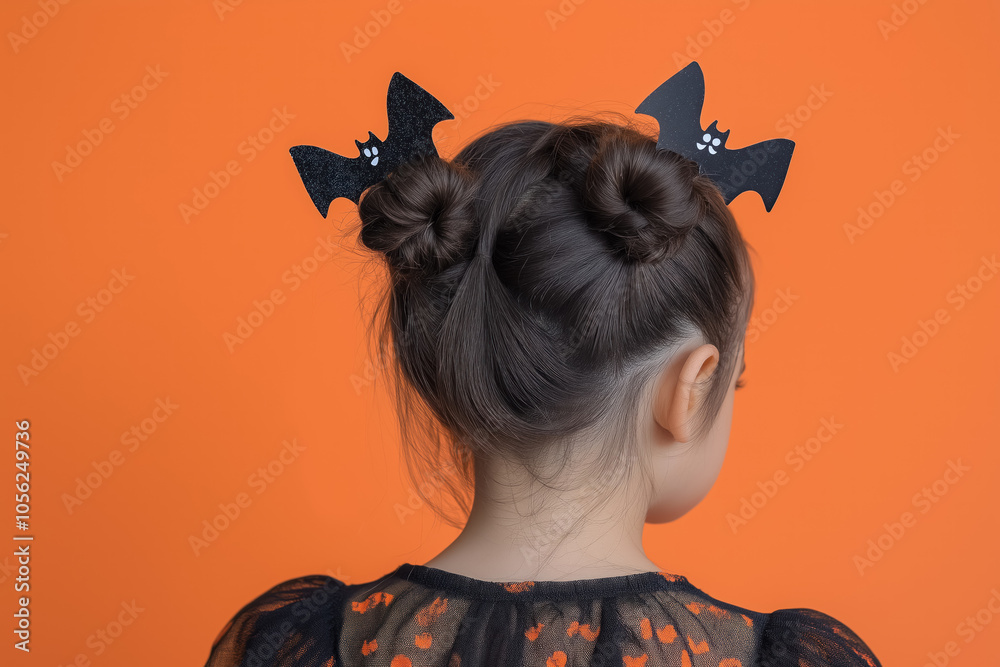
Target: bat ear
x,y
713,129
693,69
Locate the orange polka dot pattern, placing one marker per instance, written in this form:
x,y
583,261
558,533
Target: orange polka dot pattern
x,y
417,616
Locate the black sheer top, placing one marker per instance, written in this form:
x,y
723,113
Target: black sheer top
x,y
419,616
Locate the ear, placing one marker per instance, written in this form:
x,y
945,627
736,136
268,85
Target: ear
x,y
678,404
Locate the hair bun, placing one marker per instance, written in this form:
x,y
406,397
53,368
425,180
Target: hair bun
x,y
645,198
420,216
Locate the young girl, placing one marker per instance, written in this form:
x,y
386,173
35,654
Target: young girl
x,y
566,314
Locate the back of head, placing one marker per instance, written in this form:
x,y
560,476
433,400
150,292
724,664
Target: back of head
x,y
537,282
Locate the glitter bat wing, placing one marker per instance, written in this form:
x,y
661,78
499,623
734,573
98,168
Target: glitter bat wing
x,y
412,114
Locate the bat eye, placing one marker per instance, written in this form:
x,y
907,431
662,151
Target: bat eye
x,y
716,142
368,153
374,150
707,137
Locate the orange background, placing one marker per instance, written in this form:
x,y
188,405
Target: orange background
x,y
303,374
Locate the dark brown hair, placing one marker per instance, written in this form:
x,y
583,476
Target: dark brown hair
x,y
537,282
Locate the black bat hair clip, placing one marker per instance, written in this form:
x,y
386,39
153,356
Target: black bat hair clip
x,y
677,106
412,112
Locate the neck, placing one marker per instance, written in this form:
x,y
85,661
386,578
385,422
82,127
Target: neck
x,y
548,535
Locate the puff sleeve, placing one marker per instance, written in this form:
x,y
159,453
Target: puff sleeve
x,y
296,622
810,638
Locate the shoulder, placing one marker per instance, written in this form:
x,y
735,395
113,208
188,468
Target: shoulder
x,y
810,638
294,622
